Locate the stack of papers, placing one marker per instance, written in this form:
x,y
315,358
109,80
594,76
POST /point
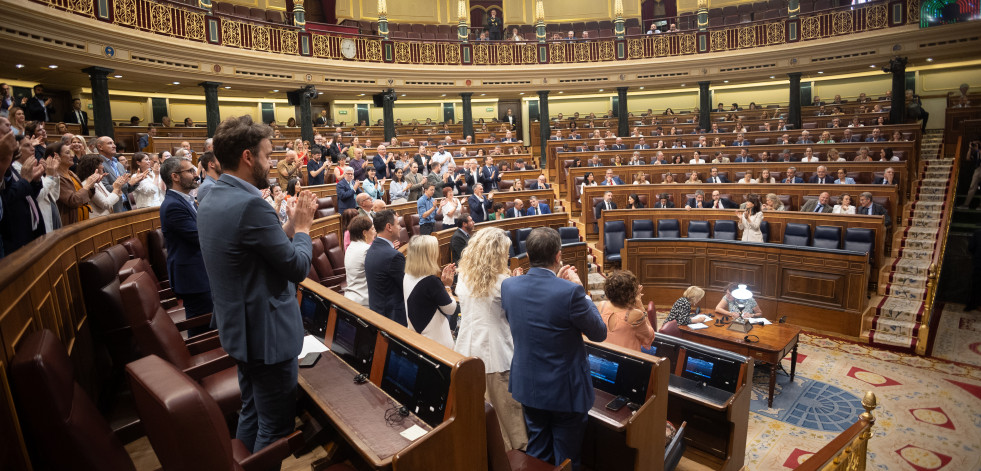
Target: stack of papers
x,y
697,326
759,320
312,345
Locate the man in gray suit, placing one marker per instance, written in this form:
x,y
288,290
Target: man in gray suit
x,y
820,205
113,169
253,266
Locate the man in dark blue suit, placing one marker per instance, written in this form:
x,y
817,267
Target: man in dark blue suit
x,y
540,184
516,211
254,267
381,161
480,205
21,216
179,222
384,267
549,313
537,208
347,189
490,176
792,176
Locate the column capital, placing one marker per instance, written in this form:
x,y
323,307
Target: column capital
x,y
96,70
213,85
466,94
704,83
622,89
794,75
543,92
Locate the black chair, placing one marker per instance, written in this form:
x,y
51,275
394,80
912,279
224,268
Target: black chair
x,y
797,234
642,229
765,229
860,240
827,237
569,235
614,233
520,236
724,230
698,229
667,228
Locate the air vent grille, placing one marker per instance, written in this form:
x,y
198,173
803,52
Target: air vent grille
x,y
337,80
949,41
250,73
583,80
512,82
38,37
432,84
672,74
169,63
842,56
747,67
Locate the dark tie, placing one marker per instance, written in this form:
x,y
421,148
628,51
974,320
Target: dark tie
x,y
819,208
608,206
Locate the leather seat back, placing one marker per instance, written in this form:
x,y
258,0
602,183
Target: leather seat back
x,y
569,235
153,329
796,234
184,424
827,237
765,229
157,253
104,305
135,248
520,236
698,229
642,229
668,228
118,254
724,230
614,234
61,422
859,239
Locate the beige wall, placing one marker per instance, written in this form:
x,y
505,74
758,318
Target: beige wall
x,y
400,11
566,11
677,101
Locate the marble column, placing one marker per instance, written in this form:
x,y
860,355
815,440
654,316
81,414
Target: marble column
x,y
793,116
467,116
211,106
544,130
102,113
623,125
704,106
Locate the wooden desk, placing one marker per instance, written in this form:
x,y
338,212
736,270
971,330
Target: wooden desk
x,y
357,409
775,341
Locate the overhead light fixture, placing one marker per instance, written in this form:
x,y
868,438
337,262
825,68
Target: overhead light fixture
x,y
227,87
522,93
403,94
117,76
52,66
929,59
275,91
560,91
773,76
820,71
19,66
363,94
483,94
601,89
176,83
443,94
682,85
725,81
641,88
320,93
872,66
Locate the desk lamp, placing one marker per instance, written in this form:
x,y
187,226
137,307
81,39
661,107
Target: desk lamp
x,y
741,295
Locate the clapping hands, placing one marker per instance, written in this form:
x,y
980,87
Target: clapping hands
x,y
449,272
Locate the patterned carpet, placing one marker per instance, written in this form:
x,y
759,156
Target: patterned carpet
x,y
928,416
959,335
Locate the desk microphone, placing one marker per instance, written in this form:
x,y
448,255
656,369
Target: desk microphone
x,y
783,320
360,379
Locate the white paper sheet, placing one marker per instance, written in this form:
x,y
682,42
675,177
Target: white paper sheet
x,y
697,325
312,345
413,432
759,320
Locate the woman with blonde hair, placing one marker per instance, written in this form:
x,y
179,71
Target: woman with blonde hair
x,y
428,305
485,332
623,311
684,309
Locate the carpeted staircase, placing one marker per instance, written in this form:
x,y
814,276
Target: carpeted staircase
x,y
896,317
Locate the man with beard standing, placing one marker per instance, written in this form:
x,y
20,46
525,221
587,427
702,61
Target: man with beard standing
x,y
179,222
253,266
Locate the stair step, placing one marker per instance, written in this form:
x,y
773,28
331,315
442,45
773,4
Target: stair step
x,y
597,295
596,281
889,339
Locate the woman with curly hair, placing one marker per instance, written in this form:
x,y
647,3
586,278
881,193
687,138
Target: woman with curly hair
x,y
623,312
484,329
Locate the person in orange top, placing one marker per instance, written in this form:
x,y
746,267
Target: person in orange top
x,y
623,312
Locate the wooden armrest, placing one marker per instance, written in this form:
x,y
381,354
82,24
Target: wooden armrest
x,y
210,366
272,456
202,343
204,320
335,280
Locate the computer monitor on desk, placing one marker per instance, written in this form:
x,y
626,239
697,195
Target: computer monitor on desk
x,y
618,374
315,312
416,381
354,340
715,371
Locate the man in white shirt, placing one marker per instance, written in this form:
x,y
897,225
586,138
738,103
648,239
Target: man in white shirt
x,y
443,158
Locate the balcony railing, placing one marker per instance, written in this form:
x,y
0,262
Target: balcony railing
x,y
199,25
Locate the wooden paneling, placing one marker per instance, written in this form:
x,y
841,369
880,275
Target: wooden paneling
x,y
818,289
